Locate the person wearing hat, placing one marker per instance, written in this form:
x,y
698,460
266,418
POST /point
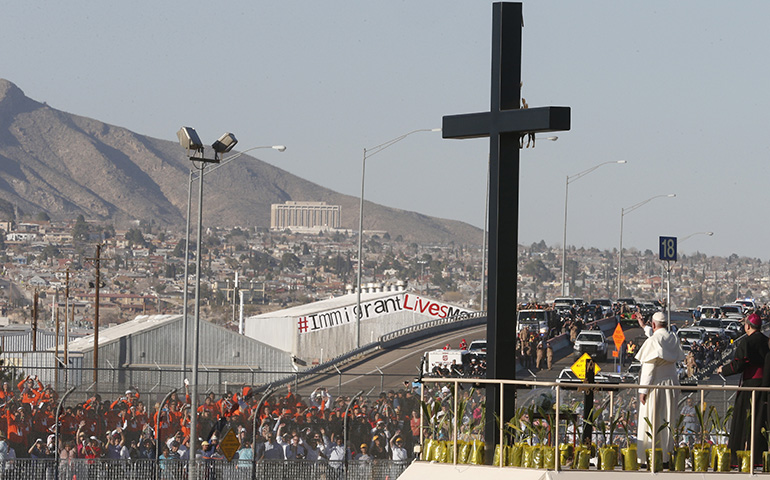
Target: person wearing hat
x,y
398,452
659,355
749,361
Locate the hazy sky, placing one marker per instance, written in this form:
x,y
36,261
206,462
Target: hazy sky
x,y
677,89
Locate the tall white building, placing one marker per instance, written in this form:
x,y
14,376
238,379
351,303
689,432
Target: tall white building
x,y
304,215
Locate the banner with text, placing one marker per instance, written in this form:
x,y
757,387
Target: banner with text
x,y
400,302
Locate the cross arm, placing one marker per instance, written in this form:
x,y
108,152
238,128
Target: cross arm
x,y
525,120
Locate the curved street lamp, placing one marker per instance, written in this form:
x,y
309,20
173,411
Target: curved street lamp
x,y
570,179
623,212
708,234
370,152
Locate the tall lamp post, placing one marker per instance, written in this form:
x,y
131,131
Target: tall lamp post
x,y
570,179
185,293
190,141
623,212
370,152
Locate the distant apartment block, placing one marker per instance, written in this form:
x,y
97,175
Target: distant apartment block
x,y
312,216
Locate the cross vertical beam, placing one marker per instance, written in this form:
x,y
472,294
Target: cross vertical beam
x,y
504,124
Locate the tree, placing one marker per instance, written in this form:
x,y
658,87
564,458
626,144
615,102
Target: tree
x,y
537,270
179,249
80,231
42,217
289,261
135,237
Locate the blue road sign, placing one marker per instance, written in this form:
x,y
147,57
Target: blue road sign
x,y
668,248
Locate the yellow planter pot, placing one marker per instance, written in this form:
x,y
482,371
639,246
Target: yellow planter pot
x,y
722,459
515,454
744,460
700,458
658,459
678,461
608,458
630,462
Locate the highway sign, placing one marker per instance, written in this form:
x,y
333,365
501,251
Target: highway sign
x,y
230,444
579,367
619,337
668,248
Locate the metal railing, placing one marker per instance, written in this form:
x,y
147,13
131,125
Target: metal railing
x,y
617,396
219,469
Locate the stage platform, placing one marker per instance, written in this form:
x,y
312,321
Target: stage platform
x,y
444,471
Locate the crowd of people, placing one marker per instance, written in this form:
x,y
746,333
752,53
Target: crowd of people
x,y
288,426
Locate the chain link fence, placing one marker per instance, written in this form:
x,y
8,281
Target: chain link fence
x,y
175,469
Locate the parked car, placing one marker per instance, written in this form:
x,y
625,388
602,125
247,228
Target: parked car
x,y
733,310
712,326
691,335
748,303
605,304
634,370
647,309
478,347
707,311
564,304
733,328
628,301
592,342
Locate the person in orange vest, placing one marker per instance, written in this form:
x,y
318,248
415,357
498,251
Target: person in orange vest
x,y
30,392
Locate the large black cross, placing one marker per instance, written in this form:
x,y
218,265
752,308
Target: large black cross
x,y
504,124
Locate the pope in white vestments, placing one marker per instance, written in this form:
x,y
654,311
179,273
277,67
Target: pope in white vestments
x,y
658,356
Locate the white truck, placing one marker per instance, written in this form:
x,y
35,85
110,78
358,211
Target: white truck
x,y
445,360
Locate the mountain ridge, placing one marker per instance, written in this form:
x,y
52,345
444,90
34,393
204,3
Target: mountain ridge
x,y
66,165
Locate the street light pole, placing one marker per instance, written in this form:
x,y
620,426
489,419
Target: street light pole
x,y
572,178
185,294
623,212
369,153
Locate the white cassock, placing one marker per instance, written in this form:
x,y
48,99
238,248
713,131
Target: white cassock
x,y
658,357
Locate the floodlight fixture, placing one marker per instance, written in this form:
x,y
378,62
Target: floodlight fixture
x,y
225,143
189,139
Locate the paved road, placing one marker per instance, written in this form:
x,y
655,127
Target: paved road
x,y
389,369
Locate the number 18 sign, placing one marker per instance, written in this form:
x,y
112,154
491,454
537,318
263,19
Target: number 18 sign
x,y
668,249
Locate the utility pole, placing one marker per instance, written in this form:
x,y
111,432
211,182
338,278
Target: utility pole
x,y
34,322
66,320
56,323
97,285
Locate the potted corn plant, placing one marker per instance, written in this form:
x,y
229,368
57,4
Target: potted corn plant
x,y
657,465
721,461
701,451
513,443
678,460
630,462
